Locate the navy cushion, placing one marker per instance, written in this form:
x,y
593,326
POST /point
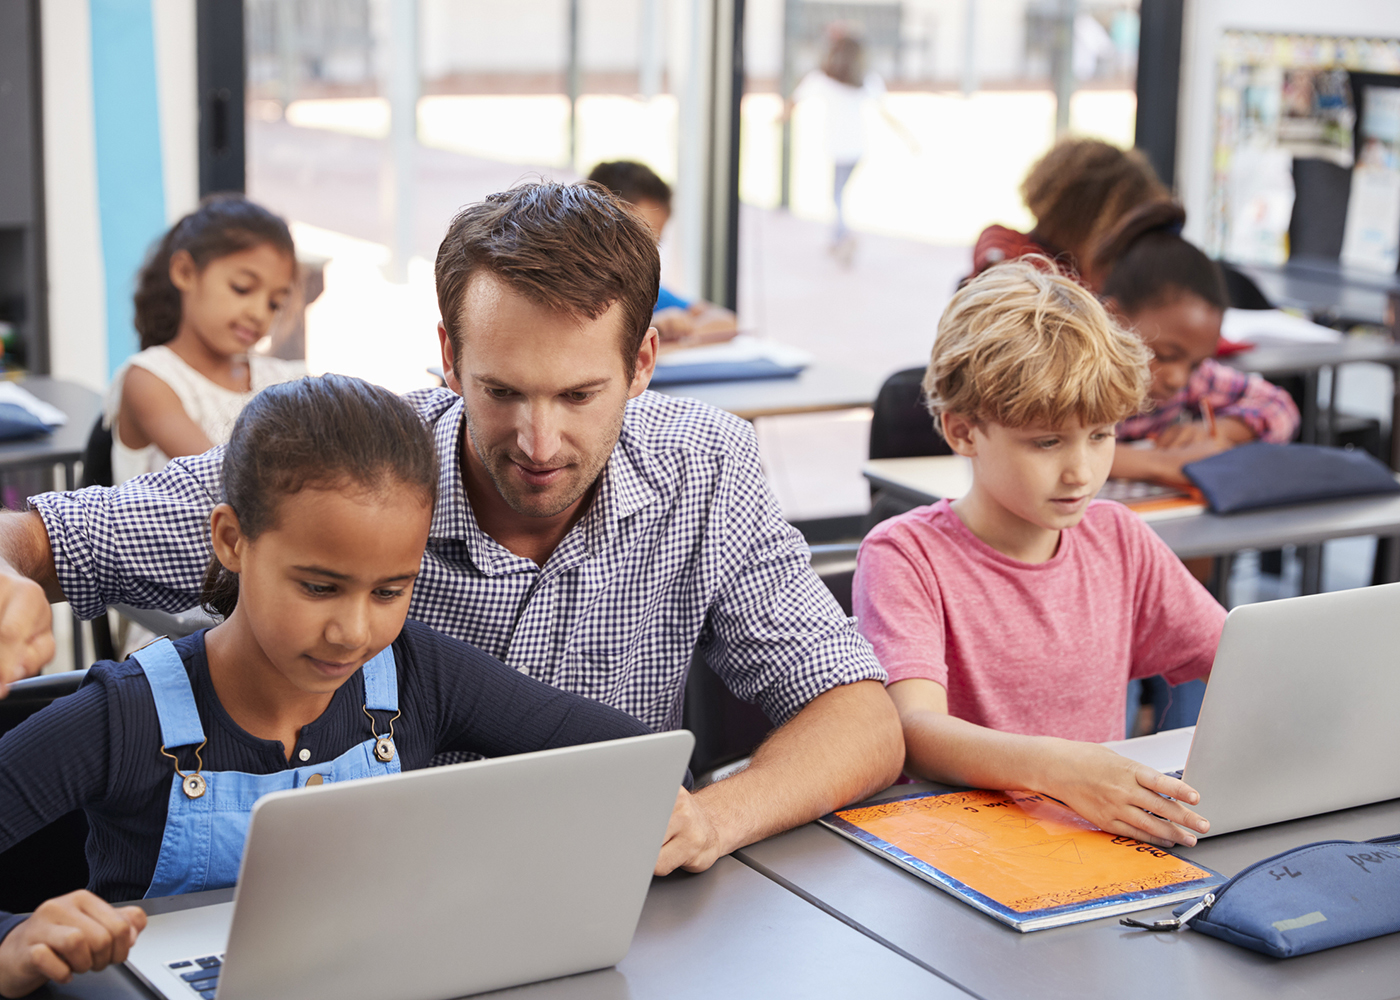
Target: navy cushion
x,y
1272,475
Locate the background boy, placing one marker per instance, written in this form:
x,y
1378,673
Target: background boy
x,y
1011,620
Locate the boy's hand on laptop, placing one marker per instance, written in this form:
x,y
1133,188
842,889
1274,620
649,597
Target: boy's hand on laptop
x,y
692,842
78,932
1123,797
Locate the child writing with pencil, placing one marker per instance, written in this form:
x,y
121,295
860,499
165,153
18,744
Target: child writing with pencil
x,y
1012,619
313,676
1173,296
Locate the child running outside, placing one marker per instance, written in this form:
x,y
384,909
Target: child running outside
x,y
1174,297
314,676
1011,620
206,295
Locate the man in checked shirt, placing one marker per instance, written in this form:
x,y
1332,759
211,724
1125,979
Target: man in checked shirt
x,y
586,531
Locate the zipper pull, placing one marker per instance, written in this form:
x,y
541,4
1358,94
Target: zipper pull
x,y
1174,923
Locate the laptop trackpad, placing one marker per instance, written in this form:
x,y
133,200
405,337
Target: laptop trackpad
x,y
176,937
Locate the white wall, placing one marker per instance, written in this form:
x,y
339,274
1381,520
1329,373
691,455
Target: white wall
x,y
77,309
1206,20
77,278
177,77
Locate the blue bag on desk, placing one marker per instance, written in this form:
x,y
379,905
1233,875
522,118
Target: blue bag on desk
x,y
1272,475
1313,897
17,422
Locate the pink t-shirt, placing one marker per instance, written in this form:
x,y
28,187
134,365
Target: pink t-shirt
x,y
1042,649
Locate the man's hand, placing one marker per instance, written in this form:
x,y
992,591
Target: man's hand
x,y
1121,796
74,933
692,842
26,629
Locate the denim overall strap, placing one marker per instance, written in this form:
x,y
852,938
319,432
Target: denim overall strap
x,y
381,682
203,842
170,686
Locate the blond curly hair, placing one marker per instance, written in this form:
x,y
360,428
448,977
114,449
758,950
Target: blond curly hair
x,y
1022,345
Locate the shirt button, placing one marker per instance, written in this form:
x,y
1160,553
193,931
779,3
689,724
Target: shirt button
x,y
304,754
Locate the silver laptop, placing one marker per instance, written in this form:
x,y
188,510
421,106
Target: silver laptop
x,y
432,884
1299,714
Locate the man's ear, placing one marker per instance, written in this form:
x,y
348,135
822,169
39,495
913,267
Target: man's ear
x,y
227,536
957,431
646,363
449,359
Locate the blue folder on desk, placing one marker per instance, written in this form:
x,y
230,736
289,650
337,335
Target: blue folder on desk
x,y
16,422
743,358
1259,475
723,371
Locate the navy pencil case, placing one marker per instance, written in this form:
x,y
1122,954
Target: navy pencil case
x,y
1272,475
1310,898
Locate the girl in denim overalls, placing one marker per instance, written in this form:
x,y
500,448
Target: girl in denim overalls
x,y
313,677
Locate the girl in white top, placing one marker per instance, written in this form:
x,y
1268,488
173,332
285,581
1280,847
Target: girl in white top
x,y
207,294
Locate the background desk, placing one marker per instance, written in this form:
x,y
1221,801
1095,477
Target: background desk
x,y
729,932
1090,960
924,480
66,444
818,388
1307,360
1329,291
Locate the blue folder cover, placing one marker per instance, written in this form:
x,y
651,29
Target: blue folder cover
x,y
723,371
16,422
1272,475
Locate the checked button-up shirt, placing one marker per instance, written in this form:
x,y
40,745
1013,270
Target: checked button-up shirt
x,y
683,545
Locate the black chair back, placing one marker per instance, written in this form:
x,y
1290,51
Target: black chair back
x,y
727,729
901,426
97,471
51,861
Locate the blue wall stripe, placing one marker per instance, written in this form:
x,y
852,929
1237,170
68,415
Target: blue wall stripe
x,y
130,181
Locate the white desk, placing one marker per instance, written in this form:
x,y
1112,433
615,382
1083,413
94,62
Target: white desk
x,y
924,480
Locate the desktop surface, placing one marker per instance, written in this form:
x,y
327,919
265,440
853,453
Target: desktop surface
x,y
1090,960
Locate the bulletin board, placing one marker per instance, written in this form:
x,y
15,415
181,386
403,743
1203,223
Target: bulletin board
x,y
1281,97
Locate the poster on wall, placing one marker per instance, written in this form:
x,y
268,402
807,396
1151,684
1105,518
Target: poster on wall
x,y
1284,96
1372,235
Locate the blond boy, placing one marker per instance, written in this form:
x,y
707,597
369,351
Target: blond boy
x,y
1011,620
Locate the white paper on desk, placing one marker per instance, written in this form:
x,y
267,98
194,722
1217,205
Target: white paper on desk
x,y
744,347
1261,325
50,415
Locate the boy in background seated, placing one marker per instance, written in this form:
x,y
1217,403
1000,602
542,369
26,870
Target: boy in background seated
x,y
679,322
1011,620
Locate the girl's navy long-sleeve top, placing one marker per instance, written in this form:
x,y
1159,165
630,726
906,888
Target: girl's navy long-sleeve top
x,y
99,748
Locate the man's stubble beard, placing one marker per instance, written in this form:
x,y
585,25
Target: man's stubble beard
x,y
527,503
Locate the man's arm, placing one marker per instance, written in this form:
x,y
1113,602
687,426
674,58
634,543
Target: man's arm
x,y
844,746
27,584
1114,793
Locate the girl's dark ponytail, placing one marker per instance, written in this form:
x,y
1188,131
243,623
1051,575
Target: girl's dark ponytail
x,y
222,224
332,432
1147,261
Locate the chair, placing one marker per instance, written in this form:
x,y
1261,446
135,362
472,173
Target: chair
x,y
97,471
901,427
727,729
51,861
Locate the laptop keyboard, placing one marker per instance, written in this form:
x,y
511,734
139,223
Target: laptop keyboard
x,y
202,974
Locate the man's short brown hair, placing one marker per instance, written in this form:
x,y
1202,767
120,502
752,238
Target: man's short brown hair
x,y
573,248
1021,345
